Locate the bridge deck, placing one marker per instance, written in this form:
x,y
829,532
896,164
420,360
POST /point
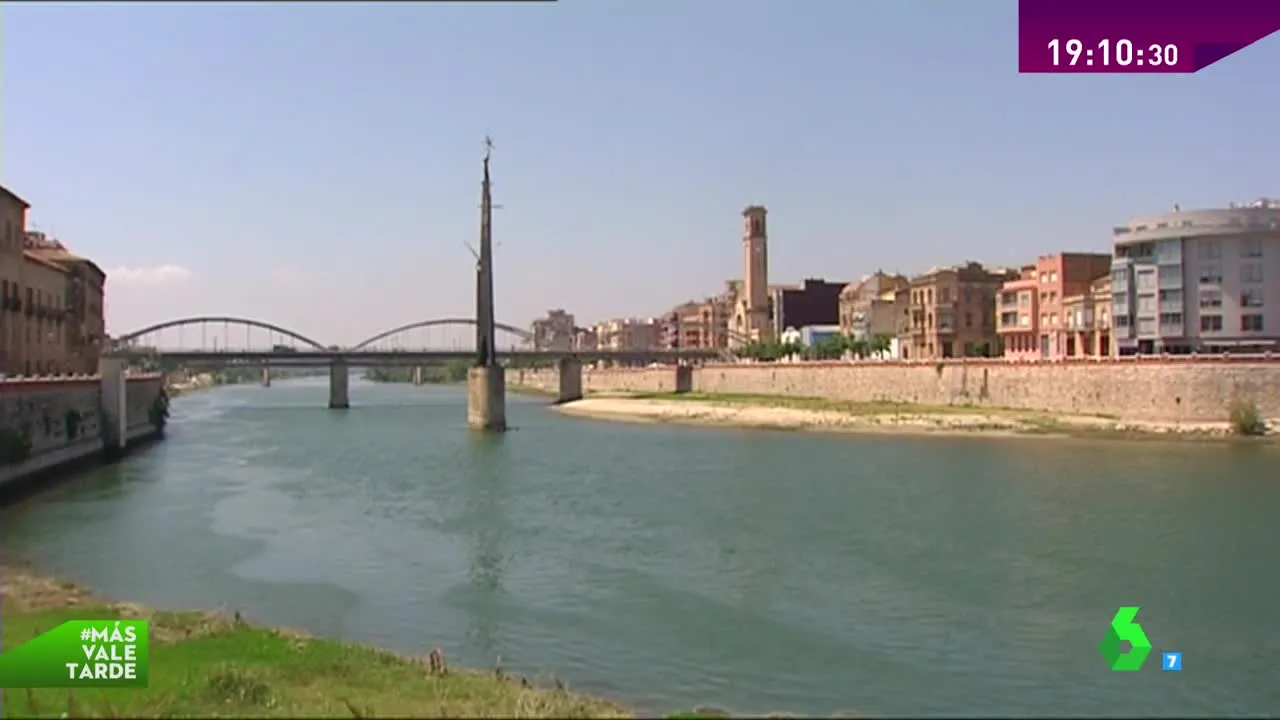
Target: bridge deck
x,y
409,357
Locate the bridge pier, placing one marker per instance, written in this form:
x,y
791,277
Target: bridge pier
x,y
487,398
684,378
266,376
115,406
570,380
338,399
418,375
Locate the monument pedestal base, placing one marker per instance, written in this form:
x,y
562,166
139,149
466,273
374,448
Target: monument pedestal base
x,y
487,398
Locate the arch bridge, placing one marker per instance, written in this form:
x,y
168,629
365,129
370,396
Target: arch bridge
x,y
230,335
221,341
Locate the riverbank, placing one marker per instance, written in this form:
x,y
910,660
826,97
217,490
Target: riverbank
x,y
792,413
215,664
193,383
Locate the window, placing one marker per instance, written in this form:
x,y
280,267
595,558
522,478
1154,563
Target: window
x,y
1053,276
1211,275
1210,249
1210,298
1251,323
1053,319
1120,300
1251,247
1251,297
1170,318
1146,304
1170,296
1251,273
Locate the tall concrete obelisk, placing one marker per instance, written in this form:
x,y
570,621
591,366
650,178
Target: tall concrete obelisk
x,y
486,379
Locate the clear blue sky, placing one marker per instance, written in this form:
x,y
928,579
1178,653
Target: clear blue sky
x,y
318,165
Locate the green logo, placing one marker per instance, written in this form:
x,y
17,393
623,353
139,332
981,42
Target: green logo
x,y
1124,629
80,653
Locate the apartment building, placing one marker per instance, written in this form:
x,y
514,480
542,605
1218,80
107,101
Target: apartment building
x,y
13,214
1198,281
585,339
627,334
868,308
51,301
555,331
1032,321
702,323
1089,320
950,312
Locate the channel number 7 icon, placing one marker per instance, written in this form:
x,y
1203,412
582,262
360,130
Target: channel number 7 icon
x,y
1124,630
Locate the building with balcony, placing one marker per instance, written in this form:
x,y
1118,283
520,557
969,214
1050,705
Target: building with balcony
x,y
950,312
1198,281
83,320
1031,320
13,214
555,331
869,308
52,310
1089,320
703,323
585,339
627,334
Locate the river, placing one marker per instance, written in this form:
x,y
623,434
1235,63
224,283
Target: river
x,y
667,566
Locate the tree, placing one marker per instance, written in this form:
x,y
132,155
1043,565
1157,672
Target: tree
x,y
860,348
830,348
880,345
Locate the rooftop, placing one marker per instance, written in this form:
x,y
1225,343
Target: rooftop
x,y
14,196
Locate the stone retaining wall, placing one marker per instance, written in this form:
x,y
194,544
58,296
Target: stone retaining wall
x,y
62,421
1157,389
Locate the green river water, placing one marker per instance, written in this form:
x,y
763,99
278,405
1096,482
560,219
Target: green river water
x,y
668,566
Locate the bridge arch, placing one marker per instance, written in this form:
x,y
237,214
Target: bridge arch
x,y
121,341
522,334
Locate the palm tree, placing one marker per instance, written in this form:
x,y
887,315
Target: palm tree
x,y
880,345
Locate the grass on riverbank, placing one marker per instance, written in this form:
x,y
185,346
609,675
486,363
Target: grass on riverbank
x,y
823,404
887,415
1034,419
213,664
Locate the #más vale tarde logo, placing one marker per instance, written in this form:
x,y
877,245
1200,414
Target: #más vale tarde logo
x,y
80,653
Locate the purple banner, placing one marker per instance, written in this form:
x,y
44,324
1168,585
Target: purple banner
x,y
1138,36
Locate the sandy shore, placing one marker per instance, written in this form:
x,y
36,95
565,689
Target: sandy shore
x,y
868,419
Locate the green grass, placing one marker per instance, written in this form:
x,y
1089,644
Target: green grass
x,y
209,664
1244,418
850,408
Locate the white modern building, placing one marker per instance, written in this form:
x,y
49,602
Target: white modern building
x,y
1198,281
